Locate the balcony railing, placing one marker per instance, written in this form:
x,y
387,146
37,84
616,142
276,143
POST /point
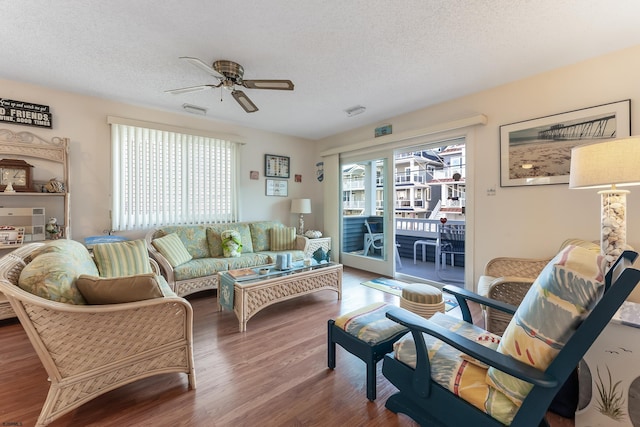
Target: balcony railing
x,y
353,204
404,204
353,184
413,179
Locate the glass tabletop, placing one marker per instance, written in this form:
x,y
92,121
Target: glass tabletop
x,y
270,271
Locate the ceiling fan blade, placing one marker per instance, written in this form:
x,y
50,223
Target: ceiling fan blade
x,y
204,67
191,89
244,101
268,84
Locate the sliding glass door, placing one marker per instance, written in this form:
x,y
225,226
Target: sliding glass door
x,y
430,211
403,211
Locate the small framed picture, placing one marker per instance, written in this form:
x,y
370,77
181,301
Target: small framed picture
x,y
276,166
277,187
298,178
254,175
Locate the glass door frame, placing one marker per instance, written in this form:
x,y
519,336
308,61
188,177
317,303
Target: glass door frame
x,y
385,265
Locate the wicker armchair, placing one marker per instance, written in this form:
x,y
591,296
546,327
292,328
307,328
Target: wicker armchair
x,y
88,350
508,279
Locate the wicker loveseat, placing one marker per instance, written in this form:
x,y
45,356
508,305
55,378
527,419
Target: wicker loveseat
x,y
88,350
206,256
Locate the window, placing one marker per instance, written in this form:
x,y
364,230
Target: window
x,y
168,178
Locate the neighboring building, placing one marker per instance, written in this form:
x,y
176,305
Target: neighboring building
x,y
353,194
428,184
415,197
452,182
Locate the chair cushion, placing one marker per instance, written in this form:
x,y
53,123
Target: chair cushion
x,y
53,276
214,238
484,284
283,238
115,290
122,258
582,243
452,370
564,293
370,324
200,267
72,250
194,238
260,234
248,260
53,271
214,241
172,248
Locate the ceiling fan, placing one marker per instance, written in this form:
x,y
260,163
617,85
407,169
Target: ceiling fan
x,y
230,74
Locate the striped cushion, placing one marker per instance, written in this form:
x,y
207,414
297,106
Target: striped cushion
x,y
172,248
260,234
564,293
283,238
122,258
422,293
459,374
370,324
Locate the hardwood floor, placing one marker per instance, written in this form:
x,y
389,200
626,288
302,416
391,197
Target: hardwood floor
x,y
275,374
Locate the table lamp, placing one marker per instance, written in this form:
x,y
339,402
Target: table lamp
x,y
608,164
301,206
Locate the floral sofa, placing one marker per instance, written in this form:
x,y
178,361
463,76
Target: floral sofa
x,y
191,256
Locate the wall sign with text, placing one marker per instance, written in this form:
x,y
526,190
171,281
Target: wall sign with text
x,y
25,113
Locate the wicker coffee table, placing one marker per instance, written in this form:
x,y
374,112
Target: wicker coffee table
x,y
252,293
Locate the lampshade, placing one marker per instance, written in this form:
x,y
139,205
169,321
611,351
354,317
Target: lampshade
x,y
605,164
301,206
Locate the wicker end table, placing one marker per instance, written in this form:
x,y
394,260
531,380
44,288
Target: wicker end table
x,y
253,294
320,242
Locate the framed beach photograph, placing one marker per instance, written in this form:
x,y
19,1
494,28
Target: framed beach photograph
x,y
538,151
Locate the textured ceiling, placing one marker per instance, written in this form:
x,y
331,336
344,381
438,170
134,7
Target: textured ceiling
x,y
390,56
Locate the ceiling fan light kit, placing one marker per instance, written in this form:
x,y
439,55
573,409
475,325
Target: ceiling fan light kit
x,y
230,74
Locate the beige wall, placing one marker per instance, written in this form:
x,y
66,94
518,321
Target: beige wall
x,y
529,221
517,221
83,119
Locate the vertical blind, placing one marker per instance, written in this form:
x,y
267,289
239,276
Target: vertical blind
x,y
169,178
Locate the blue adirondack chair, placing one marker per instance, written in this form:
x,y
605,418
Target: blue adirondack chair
x,y
429,403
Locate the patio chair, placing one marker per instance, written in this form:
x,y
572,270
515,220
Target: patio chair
x,y
375,241
372,240
450,242
511,391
